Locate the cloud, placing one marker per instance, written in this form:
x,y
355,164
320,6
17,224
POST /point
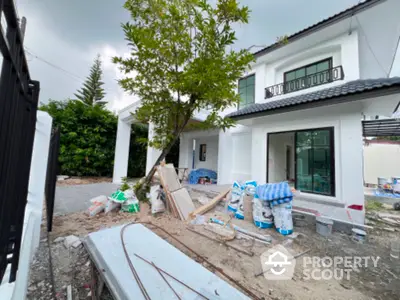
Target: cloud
x,y
117,97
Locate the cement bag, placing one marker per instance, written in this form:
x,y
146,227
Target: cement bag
x,y
157,205
247,189
98,205
262,213
131,205
111,205
283,218
236,193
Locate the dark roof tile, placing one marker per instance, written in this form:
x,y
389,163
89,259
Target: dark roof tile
x,y
352,87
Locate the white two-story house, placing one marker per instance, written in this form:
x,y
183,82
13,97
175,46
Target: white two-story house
x,y
301,112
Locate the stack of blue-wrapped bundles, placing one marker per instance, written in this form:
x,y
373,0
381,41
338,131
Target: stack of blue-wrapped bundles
x,y
279,197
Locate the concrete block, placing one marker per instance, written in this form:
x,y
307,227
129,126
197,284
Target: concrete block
x,y
70,241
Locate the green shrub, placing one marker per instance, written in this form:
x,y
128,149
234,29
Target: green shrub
x,y
87,141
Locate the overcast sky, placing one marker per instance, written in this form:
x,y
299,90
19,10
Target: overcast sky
x,y
69,33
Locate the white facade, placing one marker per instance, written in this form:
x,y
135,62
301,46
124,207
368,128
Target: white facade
x,y
354,43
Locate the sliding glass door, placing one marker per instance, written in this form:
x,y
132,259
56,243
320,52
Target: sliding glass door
x,y
315,168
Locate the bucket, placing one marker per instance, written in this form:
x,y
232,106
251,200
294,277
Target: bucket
x,y
396,184
395,250
358,235
382,181
324,226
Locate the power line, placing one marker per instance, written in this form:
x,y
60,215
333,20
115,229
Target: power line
x,y
394,56
370,48
66,72
74,76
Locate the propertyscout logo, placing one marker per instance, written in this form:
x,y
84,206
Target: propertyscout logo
x,y
278,264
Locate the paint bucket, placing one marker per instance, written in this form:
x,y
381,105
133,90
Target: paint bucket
x,y
382,181
396,184
324,226
358,235
395,250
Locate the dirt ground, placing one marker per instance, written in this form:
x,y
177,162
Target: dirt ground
x,y
82,180
72,266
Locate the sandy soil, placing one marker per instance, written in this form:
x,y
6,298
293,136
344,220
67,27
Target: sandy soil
x,y
72,266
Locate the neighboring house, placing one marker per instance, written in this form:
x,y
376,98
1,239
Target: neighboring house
x,y
300,117
381,159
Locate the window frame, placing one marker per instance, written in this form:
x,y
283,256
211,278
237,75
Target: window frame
x,y
331,130
238,89
329,60
203,152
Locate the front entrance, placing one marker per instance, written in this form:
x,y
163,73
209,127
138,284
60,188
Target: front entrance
x,y
313,166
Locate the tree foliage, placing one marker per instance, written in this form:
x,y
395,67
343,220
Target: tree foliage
x,y
179,54
92,90
88,135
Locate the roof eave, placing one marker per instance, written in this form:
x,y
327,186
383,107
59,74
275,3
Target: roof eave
x,y
323,24
385,91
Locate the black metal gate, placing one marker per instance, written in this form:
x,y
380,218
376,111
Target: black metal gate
x,y
51,176
18,104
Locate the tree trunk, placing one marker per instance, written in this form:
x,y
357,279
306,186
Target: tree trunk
x,y
165,151
163,154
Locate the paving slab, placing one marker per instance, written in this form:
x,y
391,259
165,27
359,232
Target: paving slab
x,y
75,198
106,251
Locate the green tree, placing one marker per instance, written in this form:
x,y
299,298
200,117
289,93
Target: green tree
x,y
87,140
92,92
179,53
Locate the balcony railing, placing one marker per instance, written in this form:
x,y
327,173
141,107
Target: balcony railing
x,y
305,82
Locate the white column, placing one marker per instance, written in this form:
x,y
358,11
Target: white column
x,y
185,151
351,155
34,206
258,155
225,152
152,153
121,151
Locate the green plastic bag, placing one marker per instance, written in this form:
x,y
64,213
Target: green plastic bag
x,y
131,206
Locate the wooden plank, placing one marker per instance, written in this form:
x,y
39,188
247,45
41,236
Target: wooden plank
x,y
183,202
205,208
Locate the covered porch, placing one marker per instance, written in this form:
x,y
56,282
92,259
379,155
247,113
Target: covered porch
x,y
198,149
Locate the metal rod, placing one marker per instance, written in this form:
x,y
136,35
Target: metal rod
x,y
246,290
166,281
165,272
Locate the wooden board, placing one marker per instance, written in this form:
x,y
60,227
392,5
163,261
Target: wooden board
x,y
205,208
170,178
183,202
170,202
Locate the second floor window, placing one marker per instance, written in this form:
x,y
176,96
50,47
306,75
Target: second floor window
x,y
310,75
247,91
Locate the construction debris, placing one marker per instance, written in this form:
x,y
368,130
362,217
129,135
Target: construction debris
x,y
249,253
223,232
265,238
210,205
72,241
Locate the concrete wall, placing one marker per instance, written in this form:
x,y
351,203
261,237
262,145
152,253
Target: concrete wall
x,y
381,160
210,138
33,210
211,161
277,156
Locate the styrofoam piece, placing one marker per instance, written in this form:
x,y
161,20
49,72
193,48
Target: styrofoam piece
x,y
105,249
